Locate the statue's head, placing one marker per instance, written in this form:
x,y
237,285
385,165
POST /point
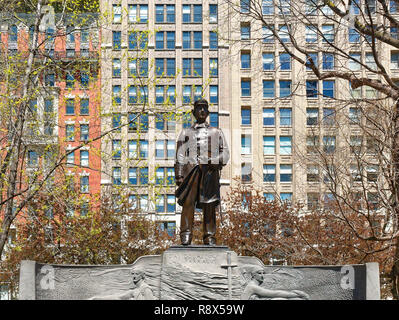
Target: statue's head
x,y
257,273
137,275
200,110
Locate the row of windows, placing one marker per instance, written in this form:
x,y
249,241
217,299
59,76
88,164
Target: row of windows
x,y
138,149
162,203
83,132
269,145
191,13
285,88
70,79
139,176
164,94
314,200
165,40
163,121
313,173
191,67
70,106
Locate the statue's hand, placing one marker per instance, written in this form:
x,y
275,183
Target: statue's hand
x,y
179,180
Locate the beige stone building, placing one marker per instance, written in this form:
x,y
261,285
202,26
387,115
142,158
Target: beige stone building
x,y
270,107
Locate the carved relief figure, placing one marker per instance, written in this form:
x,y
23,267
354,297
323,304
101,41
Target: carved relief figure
x,y
140,290
201,152
254,289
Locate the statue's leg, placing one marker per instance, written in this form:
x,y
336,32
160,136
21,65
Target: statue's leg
x,y
187,215
209,224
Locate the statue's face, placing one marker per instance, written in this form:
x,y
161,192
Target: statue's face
x,y
259,275
137,276
201,113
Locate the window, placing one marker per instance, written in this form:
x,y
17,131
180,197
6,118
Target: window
x,y
163,172
268,117
284,34
354,115
70,158
370,6
356,144
286,197
84,106
268,89
311,88
246,172
328,32
116,68
70,132
138,13
192,67
312,173
213,13
165,94
165,67
192,40
393,6
84,132
245,144
192,13
283,6
132,176
245,60
245,87
269,145
354,36
372,173
328,61
116,94
70,80
311,7
187,120
355,173
285,117
285,61
285,145
214,119
394,60
116,121
354,7
314,58
328,88
13,33
116,176
33,158
137,96
116,40
328,117
285,88
84,158
84,184
117,13
49,80
269,173
138,121
329,144
311,34
245,31
312,116
70,106
213,94
268,61
165,40
165,121
116,149
267,7
246,116
164,149
285,172
213,67
168,226
192,93
137,40
84,80
312,144
353,62
165,13
268,196
138,67
313,200
268,36
213,40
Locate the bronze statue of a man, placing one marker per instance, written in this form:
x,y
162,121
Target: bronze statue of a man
x,y
200,154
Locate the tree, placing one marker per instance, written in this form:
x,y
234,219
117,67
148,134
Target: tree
x,y
341,50
49,233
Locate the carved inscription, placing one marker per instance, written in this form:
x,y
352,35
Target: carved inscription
x,y
208,259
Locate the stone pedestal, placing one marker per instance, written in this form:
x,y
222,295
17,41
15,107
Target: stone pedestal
x,y
198,273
